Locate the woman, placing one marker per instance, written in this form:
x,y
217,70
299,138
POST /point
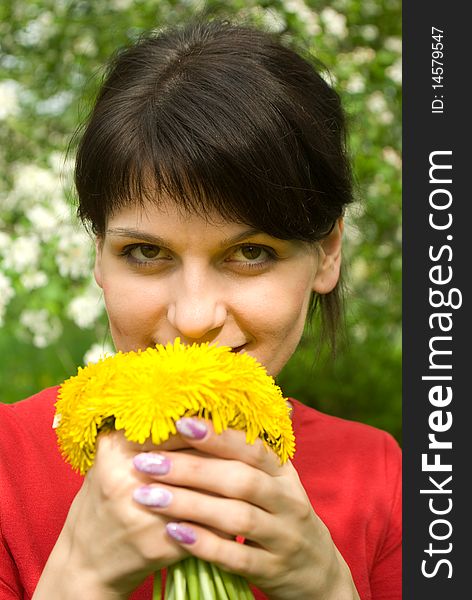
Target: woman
x,y
213,174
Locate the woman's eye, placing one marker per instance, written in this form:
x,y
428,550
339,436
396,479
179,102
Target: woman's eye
x,y
252,252
143,253
146,251
251,255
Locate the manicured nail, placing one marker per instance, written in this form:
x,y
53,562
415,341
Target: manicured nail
x,y
181,533
152,464
149,495
192,428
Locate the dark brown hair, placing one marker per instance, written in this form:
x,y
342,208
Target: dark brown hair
x,y
223,117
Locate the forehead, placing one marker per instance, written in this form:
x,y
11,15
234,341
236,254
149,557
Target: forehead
x,y
167,219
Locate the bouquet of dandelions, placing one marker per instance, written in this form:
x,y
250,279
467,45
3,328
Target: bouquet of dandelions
x,y
143,393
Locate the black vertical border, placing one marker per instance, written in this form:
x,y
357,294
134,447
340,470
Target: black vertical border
x,y
425,132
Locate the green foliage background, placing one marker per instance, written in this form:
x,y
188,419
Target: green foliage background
x,y
56,49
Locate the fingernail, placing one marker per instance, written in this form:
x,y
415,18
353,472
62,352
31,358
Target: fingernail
x,y
149,495
192,428
153,464
181,533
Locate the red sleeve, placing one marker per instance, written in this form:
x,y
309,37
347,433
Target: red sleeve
x,y
386,575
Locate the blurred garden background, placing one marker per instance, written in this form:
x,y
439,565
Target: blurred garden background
x,y
52,54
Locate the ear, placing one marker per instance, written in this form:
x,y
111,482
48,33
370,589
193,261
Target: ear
x,y
97,270
329,264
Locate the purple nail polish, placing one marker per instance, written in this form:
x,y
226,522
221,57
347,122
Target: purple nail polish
x,y
181,533
149,495
192,428
152,464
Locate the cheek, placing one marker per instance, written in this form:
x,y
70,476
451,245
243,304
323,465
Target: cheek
x,y
130,308
277,313
287,304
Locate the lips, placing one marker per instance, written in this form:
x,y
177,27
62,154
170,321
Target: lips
x,y
234,349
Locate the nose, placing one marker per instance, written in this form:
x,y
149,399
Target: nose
x,y
197,310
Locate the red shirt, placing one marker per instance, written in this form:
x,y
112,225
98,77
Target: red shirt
x,y
351,472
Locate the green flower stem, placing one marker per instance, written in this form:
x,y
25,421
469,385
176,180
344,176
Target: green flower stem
x,y
172,595
195,579
206,581
157,586
180,582
241,588
230,585
192,578
170,588
218,578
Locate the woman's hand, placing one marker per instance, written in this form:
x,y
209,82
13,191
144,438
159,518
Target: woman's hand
x,y
109,542
235,489
142,508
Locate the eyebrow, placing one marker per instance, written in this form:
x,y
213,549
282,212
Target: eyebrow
x,y
159,241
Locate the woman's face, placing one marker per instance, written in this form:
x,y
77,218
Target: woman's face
x,y
167,274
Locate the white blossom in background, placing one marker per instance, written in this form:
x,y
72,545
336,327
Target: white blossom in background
x,y
74,253
50,220
6,294
379,188
38,30
61,210
9,98
386,117
334,22
54,105
398,238
306,15
43,327
369,32
62,165
358,271
385,250
32,184
85,309
85,45
371,7
378,295
391,156
43,220
96,352
23,254
359,331
273,20
395,71
377,104
393,44
33,280
125,4
362,55
5,242
10,62
355,84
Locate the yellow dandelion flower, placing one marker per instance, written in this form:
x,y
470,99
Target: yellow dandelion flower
x,y
143,393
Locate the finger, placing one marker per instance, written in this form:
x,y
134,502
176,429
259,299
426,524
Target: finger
x,y
113,516
229,555
230,444
117,440
224,477
233,517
